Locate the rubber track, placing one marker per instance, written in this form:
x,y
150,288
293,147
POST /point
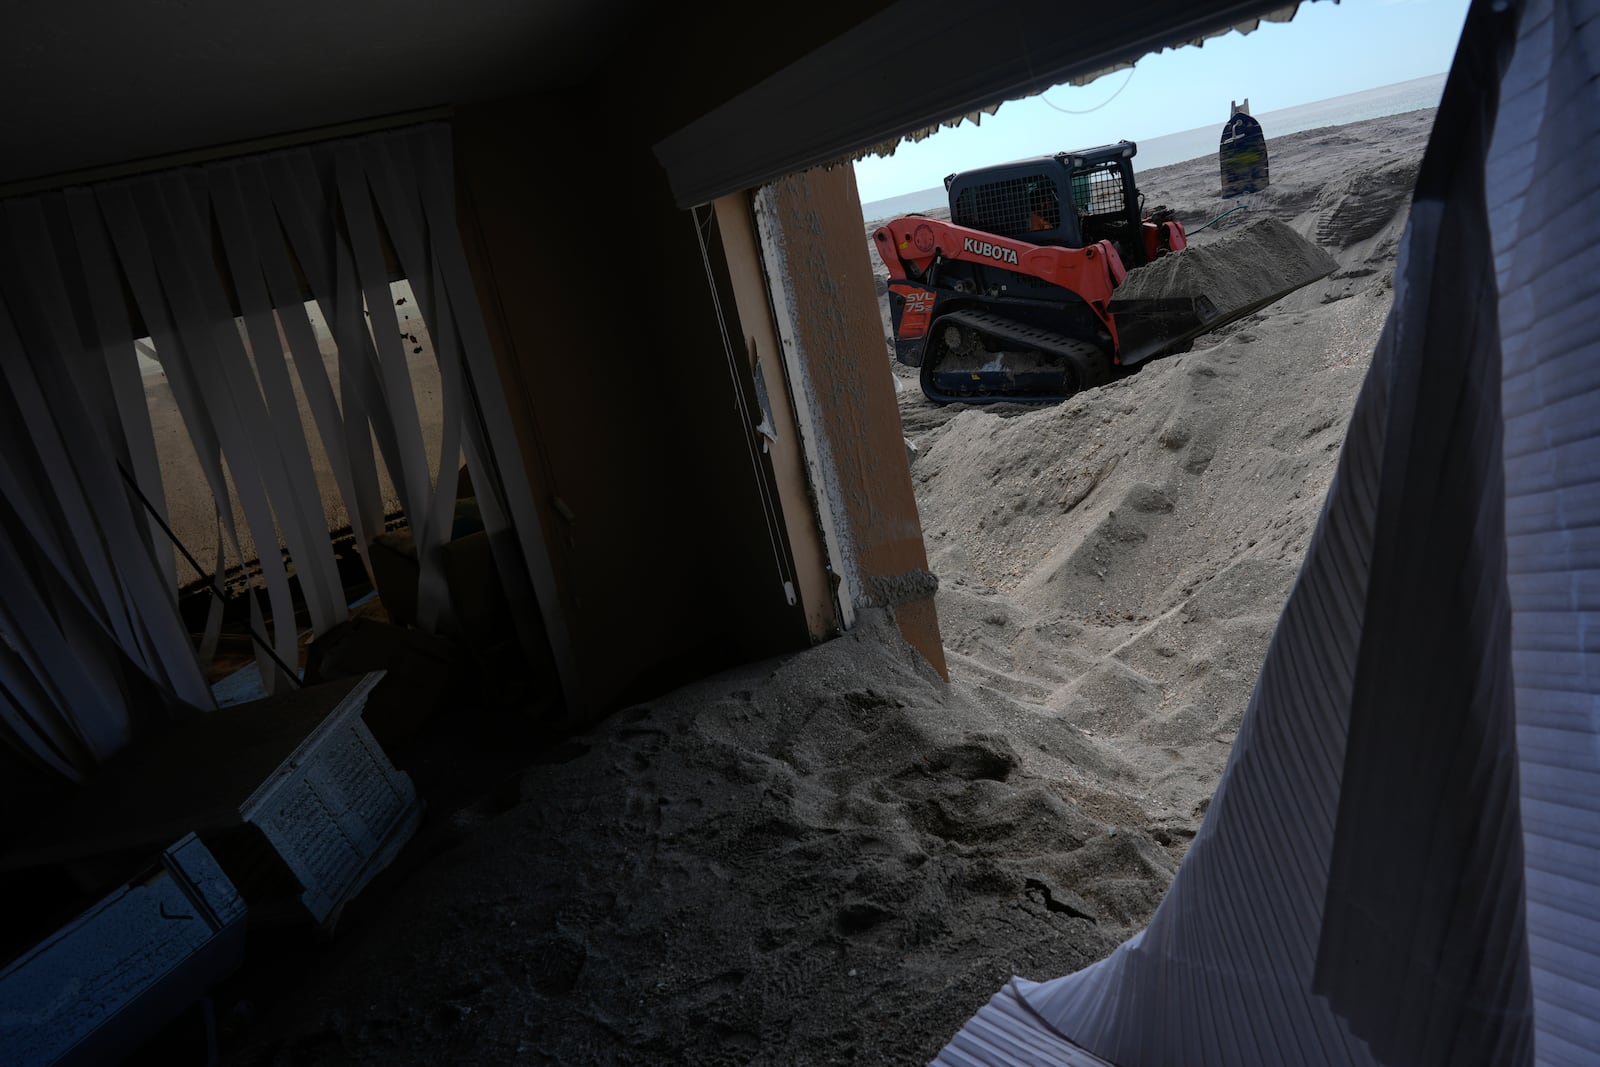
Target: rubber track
x,y
1091,364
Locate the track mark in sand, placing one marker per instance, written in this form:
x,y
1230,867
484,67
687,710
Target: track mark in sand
x,y
870,844
637,713
796,970
642,736
1181,434
1363,204
770,835
1180,727
859,917
1174,436
1324,422
565,752
734,1046
1146,498
859,700
642,744
554,963
1176,836
979,756
585,910
1041,893
1080,483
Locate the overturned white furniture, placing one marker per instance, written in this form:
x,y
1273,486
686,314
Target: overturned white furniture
x,y
294,797
337,811
103,984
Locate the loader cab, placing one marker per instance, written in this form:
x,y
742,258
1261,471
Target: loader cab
x,y
1030,200
1069,199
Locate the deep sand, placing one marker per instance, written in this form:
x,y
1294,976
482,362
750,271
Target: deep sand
x,y
835,858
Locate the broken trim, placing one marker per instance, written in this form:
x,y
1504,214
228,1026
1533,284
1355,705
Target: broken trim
x,y
846,97
842,558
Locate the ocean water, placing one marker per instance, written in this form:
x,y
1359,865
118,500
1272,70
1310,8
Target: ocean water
x,y
1192,144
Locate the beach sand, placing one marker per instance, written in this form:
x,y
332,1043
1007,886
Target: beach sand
x,y
837,858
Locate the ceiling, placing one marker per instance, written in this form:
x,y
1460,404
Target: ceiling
x,y
107,81
919,63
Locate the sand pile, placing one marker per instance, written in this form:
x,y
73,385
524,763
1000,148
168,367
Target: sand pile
x,y
828,859
1260,259
1120,559
1362,204
835,858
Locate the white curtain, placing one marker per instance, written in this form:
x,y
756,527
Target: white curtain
x,y
1401,864
91,587
1544,182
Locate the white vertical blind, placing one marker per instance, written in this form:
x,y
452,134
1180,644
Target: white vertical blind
x,y
89,575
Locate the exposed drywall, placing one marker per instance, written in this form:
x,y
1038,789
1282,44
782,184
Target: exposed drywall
x,y
751,317
828,317
827,496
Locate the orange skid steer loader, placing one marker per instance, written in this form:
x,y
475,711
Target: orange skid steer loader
x,y
1050,278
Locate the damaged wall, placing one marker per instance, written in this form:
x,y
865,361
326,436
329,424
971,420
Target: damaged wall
x,y
676,550
597,300
822,281
592,280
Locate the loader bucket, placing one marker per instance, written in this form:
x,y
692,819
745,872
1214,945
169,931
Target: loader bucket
x,y
1161,307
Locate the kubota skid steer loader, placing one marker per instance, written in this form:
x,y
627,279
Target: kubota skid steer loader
x,y
1025,294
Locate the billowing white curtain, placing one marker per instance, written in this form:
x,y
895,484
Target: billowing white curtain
x,y
1401,864
1544,185
88,572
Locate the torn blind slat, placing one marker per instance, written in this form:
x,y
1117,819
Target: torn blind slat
x,y
253,440
296,500
1273,944
77,394
408,463
256,461
361,395
297,199
395,400
52,419
70,496
116,344
202,346
1542,177
400,206
115,206
511,516
284,295
61,675
39,629
30,724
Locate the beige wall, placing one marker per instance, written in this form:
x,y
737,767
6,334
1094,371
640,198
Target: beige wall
x,y
595,294
672,541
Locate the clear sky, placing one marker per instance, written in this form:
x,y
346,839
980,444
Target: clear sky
x,y
1327,50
